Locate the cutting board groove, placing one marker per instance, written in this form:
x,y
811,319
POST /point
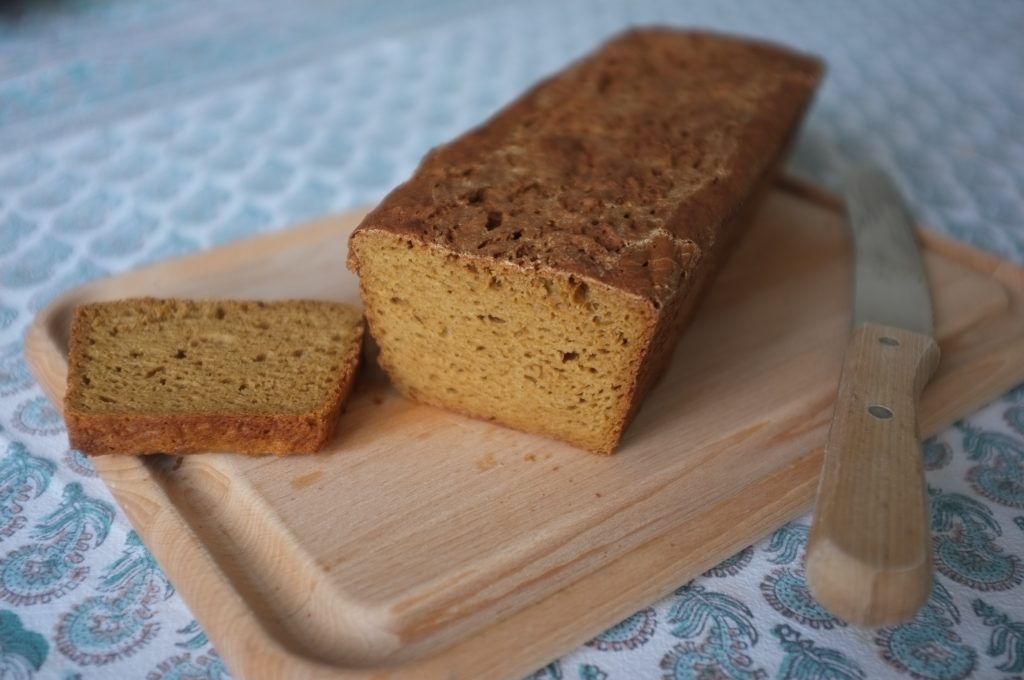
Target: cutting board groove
x,y
426,544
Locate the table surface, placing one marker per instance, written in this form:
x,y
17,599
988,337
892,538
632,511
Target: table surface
x,y
133,132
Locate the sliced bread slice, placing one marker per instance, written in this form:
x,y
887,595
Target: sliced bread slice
x,y
182,376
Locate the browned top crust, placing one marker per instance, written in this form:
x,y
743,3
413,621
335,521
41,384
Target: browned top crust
x,y
619,168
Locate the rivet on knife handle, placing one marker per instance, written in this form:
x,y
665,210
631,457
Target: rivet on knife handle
x,y
869,553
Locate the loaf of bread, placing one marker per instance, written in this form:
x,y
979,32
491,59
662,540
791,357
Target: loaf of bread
x,y
538,270
181,376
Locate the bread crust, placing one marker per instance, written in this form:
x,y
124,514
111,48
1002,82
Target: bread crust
x,y
560,150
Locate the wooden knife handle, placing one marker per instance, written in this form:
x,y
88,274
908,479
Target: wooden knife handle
x,y
869,552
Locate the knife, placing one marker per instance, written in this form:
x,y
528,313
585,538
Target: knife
x,y
869,551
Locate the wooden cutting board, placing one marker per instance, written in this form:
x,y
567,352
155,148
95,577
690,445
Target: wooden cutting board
x,y
426,544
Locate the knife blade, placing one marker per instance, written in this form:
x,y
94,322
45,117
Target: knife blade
x,y
869,551
889,282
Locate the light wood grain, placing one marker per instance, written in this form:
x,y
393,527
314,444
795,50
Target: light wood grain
x,y
425,544
869,552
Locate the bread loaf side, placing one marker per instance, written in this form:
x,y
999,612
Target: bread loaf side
x,y
538,270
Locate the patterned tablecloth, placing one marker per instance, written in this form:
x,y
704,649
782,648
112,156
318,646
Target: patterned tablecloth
x,y
132,132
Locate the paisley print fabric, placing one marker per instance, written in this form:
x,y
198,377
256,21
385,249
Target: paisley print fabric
x,y
211,122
